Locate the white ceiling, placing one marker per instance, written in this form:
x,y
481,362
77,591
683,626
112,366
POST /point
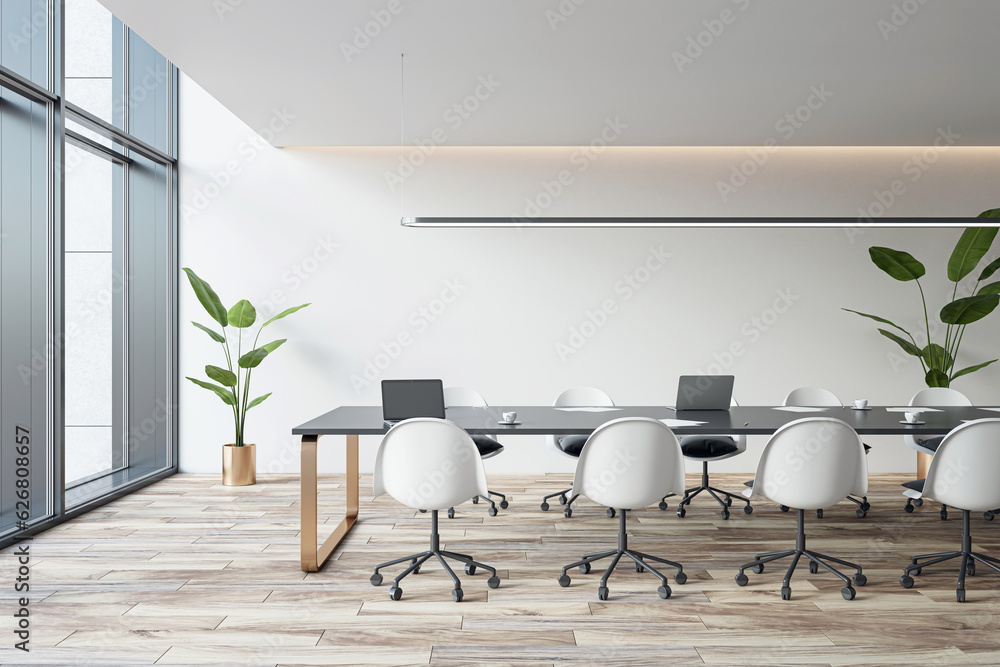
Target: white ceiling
x,y
560,81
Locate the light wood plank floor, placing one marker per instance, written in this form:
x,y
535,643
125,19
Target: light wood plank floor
x,y
190,572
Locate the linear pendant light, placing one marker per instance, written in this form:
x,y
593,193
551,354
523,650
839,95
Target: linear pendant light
x,y
625,222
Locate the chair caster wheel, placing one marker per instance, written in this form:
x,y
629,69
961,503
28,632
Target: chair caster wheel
x,y
970,569
906,581
742,579
681,512
562,499
663,505
725,515
639,567
748,510
916,572
758,568
866,505
988,516
908,508
664,591
819,514
680,578
470,569
783,508
492,511
451,513
944,515
475,501
918,502
602,593
960,596
564,580
415,570
813,567
457,594
376,579
611,512
848,592
568,512
786,593
545,507
423,511
504,504
395,593
585,568
493,582
729,501
860,579
861,513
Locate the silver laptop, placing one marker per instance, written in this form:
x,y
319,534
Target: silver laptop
x,y
406,399
704,392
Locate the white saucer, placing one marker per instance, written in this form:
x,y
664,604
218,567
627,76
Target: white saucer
x,y
503,423
862,409
903,421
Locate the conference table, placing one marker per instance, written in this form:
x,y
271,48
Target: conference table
x,y
355,421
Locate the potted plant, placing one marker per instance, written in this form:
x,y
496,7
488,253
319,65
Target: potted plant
x,y
938,361
232,384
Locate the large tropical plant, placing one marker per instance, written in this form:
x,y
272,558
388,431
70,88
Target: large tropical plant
x,y
938,361
230,384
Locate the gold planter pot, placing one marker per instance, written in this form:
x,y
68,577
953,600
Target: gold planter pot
x,y
239,465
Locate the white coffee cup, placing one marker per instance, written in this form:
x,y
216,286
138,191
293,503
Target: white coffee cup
x,y
861,403
912,416
510,417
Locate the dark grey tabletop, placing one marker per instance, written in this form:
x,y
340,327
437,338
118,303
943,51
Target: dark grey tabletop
x,y
546,420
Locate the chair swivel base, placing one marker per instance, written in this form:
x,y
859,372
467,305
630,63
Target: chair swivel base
x,y
640,559
968,556
416,560
712,491
564,500
815,561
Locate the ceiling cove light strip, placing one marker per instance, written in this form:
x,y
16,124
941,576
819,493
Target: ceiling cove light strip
x,y
799,222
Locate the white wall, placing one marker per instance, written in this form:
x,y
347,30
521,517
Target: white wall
x,y
265,232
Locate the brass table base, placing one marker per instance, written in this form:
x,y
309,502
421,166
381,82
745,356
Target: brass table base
x,y
314,556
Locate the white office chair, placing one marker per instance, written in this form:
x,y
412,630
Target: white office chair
x,y
486,444
931,397
707,448
963,474
628,463
809,464
430,464
572,445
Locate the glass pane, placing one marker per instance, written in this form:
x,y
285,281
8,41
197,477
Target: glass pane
x,y
91,57
24,49
93,298
148,93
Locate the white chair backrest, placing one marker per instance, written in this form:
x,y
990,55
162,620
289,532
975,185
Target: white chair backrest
x,y
812,397
932,397
463,396
578,397
963,472
429,464
630,463
812,463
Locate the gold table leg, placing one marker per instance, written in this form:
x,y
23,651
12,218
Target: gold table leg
x,y
923,463
312,556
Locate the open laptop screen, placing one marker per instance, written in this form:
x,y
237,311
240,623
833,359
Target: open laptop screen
x,y
704,392
406,399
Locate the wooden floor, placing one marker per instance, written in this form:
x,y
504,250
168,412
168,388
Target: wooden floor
x,y
189,572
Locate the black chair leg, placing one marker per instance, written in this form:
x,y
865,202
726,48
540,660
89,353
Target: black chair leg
x,y
968,556
725,501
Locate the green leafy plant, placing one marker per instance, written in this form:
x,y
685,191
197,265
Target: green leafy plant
x,y
232,385
938,361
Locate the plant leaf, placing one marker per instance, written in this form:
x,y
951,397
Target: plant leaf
x,y
898,264
973,245
937,357
273,345
253,358
208,298
878,319
992,213
221,375
242,314
284,313
257,401
971,369
216,336
990,269
969,309
223,393
992,288
936,378
907,346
